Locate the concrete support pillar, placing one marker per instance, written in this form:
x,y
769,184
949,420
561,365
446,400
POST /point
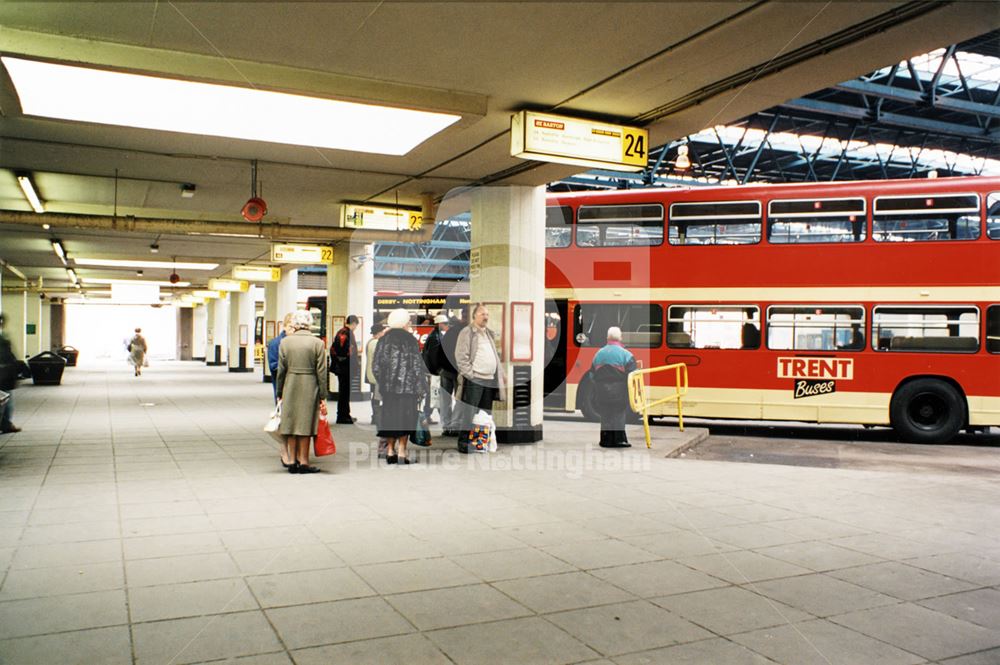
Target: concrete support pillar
x,y
185,333
45,327
350,289
57,325
241,320
218,332
199,335
508,235
33,324
14,308
280,298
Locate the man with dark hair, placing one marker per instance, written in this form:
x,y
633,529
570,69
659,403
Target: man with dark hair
x,y
452,424
344,360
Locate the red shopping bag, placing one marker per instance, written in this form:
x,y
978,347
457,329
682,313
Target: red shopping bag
x,y
323,443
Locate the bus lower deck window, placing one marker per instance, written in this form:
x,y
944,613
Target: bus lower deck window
x,y
934,329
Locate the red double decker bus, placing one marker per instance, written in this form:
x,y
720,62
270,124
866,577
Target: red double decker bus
x,y
875,303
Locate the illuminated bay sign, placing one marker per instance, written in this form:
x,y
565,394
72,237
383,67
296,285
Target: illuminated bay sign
x,y
257,273
381,218
231,285
309,254
555,138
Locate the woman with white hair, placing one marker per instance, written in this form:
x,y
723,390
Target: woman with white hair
x,y
402,380
610,370
302,385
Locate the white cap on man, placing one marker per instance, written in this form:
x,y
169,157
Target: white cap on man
x,y
440,318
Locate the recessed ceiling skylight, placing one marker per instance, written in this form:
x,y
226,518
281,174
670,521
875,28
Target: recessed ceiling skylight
x,y
125,263
133,100
147,282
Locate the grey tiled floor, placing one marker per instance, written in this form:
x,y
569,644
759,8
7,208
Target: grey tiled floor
x,y
148,521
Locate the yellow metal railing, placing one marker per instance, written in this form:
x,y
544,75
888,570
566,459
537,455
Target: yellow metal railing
x,y
640,402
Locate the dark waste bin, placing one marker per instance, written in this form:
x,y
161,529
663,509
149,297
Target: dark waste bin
x,y
70,354
47,368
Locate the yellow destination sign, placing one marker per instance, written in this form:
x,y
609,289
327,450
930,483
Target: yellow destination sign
x,y
231,285
310,254
564,140
381,218
257,273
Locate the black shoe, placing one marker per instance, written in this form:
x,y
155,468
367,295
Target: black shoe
x,y
350,421
10,429
463,447
616,445
285,465
305,468
293,468
392,459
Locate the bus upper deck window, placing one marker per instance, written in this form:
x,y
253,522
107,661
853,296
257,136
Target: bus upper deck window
x,y
993,216
558,226
816,221
628,225
926,217
718,223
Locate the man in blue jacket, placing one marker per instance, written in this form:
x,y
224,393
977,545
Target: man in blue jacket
x,y
611,368
272,353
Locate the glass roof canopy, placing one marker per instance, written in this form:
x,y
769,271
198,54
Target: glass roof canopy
x,y
936,113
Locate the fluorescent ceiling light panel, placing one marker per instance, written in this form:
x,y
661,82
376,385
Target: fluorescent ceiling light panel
x,y
30,193
127,263
150,102
147,282
59,250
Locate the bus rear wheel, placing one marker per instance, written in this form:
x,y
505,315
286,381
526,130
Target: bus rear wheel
x,y
927,411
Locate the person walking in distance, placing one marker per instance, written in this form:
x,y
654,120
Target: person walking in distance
x,y
302,388
480,372
344,356
137,351
611,368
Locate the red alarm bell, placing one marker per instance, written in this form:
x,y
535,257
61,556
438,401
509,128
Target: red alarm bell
x,y
254,210
174,278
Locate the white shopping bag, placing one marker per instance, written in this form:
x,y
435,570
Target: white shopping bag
x,y
274,423
493,435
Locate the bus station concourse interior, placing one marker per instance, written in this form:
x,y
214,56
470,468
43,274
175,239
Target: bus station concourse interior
x,y
147,520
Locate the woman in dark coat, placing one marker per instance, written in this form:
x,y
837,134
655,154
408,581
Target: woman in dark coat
x,y
402,380
302,385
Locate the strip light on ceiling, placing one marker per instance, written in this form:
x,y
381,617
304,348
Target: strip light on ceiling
x,y
59,250
29,193
127,263
151,102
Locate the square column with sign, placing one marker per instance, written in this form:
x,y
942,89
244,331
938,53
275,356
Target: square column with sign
x,y
507,273
350,289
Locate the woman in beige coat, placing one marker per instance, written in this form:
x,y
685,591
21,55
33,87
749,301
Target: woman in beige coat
x,y
302,389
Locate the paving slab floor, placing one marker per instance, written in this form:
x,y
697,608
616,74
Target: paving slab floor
x,y
148,520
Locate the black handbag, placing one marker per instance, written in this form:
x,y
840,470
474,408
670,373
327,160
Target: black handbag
x,y
8,376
